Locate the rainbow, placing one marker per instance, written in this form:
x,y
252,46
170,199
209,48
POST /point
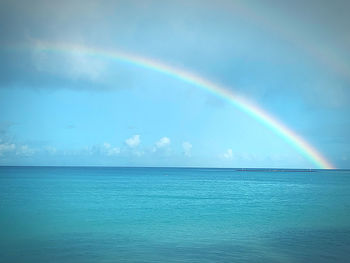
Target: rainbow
x,y
300,144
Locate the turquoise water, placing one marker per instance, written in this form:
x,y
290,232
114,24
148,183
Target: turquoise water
x,y
173,215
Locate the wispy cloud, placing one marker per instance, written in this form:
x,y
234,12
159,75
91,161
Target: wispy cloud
x,y
74,65
50,150
187,148
25,150
228,154
6,148
110,150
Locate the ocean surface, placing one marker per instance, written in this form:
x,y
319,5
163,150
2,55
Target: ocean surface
x,y
65,214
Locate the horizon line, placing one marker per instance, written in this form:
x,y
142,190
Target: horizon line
x,y
180,167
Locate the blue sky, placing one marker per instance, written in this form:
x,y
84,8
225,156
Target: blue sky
x,y
292,59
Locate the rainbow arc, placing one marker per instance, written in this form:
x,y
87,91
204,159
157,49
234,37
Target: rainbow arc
x,y
295,140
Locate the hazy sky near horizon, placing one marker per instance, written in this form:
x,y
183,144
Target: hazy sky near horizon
x,y
292,58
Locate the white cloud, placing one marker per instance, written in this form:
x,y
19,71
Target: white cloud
x,y
110,150
7,147
163,142
25,150
187,147
22,150
133,141
85,66
113,151
75,64
228,154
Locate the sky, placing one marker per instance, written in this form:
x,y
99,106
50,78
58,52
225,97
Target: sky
x,y
69,107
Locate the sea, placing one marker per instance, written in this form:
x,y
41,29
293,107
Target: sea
x,y
105,214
